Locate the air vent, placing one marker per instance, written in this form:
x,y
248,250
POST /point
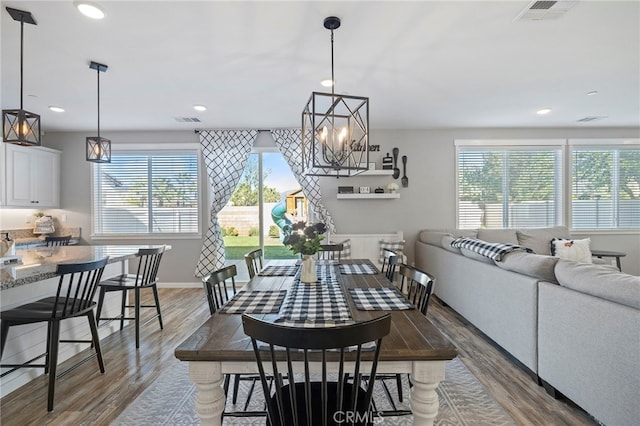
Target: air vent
x,y
187,119
543,10
592,118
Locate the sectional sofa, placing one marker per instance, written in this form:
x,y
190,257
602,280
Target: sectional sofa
x,y
575,327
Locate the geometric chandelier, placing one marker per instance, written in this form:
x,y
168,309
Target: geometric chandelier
x,y
21,127
98,148
335,129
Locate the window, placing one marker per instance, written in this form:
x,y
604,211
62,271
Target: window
x,y
146,193
605,186
509,186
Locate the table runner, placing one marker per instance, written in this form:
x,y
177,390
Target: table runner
x,y
358,269
279,271
255,302
379,299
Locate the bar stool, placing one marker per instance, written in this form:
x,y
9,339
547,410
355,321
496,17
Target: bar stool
x,y
76,289
146,277
57,241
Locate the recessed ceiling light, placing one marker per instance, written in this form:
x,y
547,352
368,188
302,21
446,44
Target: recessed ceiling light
x,y
543,111
327,83
200,107
56,108
90,9
593,92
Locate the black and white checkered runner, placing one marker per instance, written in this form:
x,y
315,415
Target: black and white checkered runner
x,y
255,302
358,269
279,271
379,299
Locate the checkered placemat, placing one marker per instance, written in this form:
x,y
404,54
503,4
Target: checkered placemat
x,y
255,302
316,302
279,271
358,269
379,299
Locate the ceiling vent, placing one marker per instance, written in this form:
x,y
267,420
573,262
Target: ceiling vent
x,y
187,119
592,118
544,10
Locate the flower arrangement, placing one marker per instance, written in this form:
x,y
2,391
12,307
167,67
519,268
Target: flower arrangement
x,y
305,239
392,187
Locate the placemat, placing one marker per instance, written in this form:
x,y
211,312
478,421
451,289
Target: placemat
x,y
358,269
316,302
255,302
379,299
279,271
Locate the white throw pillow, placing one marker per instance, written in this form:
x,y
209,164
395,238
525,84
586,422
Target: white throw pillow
x,y
578,250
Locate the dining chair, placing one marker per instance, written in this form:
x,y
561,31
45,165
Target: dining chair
x,y
74,298
253,259
145,277
57,241
389,262
317,399
330,251
419,286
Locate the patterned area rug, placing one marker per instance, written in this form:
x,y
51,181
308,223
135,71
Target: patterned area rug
x,y
170,400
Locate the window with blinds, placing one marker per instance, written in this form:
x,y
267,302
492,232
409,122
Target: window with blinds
x,y
146,193
500,187
605,187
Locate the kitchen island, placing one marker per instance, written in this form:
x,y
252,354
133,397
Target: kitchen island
x,y
34,279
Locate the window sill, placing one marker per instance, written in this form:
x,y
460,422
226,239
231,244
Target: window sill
x,y
147,237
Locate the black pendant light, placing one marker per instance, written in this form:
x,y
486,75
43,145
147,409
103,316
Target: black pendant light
x,y
21,127
335,129
98,148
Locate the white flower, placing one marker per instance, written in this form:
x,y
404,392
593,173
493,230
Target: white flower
x,y
392,186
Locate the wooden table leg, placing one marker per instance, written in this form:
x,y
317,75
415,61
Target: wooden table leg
x,y
423,398
210,397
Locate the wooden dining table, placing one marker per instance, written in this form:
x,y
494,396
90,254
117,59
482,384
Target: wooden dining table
x,y
414,346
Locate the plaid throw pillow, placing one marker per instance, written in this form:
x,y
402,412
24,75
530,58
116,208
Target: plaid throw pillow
x,y
397,246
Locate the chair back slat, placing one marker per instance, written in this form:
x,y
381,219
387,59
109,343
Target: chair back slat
x,y
148,265
77,287
303,399
419,286
330,251
253,260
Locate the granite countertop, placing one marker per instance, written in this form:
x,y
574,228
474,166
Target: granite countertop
x,y
40,263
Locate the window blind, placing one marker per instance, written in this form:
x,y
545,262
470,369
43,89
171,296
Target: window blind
x,y
501,187
146,193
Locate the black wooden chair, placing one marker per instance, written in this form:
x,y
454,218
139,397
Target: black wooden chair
x,y
145,277
57,241
306,400
389,261
74,298
330,251
253,259
419,286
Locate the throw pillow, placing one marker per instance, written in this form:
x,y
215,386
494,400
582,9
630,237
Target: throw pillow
x,y
396,246
578,250
346,249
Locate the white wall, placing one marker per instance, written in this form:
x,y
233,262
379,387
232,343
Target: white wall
x,y
428,202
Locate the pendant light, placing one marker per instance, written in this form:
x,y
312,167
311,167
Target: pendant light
x,y
335,129
98,148
21,127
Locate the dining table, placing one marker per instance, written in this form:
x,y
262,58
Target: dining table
x,y
414,345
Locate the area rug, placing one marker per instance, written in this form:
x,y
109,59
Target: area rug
x,y
170,400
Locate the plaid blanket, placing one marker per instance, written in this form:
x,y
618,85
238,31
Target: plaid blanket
x,y
493,251
379,299
255,302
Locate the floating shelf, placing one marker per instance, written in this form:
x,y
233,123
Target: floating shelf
x,y
368,196
376,173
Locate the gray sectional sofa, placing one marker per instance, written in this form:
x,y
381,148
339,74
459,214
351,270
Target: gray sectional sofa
x,y
574,326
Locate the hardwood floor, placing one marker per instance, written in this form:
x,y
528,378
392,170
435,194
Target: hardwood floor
x,y
86,397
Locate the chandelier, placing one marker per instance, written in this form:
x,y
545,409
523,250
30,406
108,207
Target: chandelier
x,y
335,129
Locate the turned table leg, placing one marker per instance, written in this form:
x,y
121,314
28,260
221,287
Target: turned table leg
x,y
210,397
423,398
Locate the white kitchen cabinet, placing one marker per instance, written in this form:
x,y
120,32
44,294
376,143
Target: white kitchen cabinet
x,y
32,177
3,176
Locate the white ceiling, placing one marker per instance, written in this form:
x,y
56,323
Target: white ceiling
x,y
423,64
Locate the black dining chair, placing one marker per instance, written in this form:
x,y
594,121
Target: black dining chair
x,y
389,262
74,298
57,241
330,251
253,259
145,277
419,286
305,399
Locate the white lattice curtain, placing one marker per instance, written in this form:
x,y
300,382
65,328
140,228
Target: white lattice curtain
x,y
289,142
225,154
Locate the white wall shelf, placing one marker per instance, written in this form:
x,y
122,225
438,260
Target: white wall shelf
x,y
376,173
368,196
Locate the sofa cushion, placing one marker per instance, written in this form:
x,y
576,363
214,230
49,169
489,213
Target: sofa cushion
x,y
604,281
578,250
446,244
533,265
539,239
434,236
498,236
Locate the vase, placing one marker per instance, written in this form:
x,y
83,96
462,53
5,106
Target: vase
x,y
308,272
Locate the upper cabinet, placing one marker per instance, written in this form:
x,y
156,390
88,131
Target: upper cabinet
x,y
32,177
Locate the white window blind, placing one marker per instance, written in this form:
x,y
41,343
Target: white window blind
x,y
500,187
146,193
605,187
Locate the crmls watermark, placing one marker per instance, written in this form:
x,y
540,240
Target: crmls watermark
x,y
358,418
